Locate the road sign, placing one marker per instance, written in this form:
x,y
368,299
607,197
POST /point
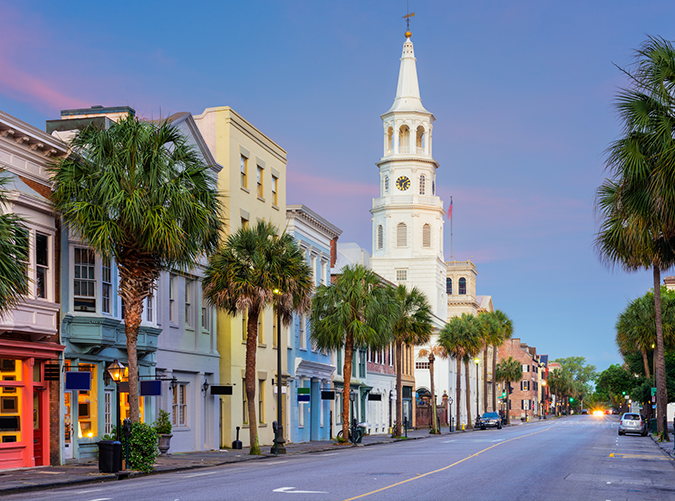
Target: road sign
x,y
653,391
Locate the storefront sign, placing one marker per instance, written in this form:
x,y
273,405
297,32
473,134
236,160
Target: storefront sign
x,y
303,395
221,390
78,381
151,388
327,394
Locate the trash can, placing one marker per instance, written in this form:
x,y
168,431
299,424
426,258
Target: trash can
x,y
363,428
652,425
109,456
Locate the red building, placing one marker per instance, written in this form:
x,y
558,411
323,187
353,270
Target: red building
x,y
526,399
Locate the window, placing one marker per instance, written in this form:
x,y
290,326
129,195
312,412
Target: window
x,y
426,235
423,184
448,285
324,273
421,365
244,172
338,408
524,386
244,223
106,286
525,405
401,275
150,307
172,298
261,400
386,184
302,336
84,283
179,405
206,317
245,401
244,324
259,182
420,142
261,327
41,264
401,235
275,334
362,364
526,368
107,412
339,361
189,310
301,407
380,236
462,285
275,190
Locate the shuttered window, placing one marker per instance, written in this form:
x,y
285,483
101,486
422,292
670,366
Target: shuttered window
x,y
426,235
401,235
380,237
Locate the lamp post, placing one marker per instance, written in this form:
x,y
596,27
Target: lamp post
x,y
116,371
278,447
477,362
352,398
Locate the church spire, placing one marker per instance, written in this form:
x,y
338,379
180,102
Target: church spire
x,y
408,90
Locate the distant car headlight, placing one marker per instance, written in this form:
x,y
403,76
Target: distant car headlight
x,y
598,413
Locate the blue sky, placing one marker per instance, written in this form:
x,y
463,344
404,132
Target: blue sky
x,y
522,92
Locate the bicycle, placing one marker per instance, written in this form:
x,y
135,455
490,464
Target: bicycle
x,y
355,434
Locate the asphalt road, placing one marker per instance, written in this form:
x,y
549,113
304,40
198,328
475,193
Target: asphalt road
x,y
576,458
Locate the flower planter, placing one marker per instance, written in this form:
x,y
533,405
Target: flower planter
x,y
164,443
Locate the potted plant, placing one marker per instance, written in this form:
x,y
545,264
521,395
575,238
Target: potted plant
x,y
163,428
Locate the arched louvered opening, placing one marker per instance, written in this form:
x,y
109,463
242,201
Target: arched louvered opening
x,y
390,140
423,184
404,139
386,184
380,237
421,140
401,235
426,235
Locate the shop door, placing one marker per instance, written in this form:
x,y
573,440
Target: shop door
x,y
38,446
68,445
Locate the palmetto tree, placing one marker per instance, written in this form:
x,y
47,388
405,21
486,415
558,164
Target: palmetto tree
x,y
431,353
13,255
255,268
561,384
353,312
505,333
138,193
509,371
411,324
636,329
461,339
637,204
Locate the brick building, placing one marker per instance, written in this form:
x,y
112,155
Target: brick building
x,y
526,399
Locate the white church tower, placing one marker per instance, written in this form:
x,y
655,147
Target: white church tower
x,y
408,216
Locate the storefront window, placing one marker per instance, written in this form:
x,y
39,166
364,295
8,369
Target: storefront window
x,y
11,393
87,406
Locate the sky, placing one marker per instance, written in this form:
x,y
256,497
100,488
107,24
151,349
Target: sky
x,y
522,92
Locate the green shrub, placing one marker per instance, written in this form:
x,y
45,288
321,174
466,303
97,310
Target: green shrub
x,y
143,449
163,423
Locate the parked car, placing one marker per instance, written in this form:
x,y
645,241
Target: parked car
x,y
584,411
490,419
632,422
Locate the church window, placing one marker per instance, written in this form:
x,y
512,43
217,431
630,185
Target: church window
x,y
401,235
462,285
386,184
421,139
423,184
426,235
448,285
380,236
401,275
404,139
390,140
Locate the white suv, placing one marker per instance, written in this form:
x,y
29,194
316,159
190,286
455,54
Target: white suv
x,y
632,423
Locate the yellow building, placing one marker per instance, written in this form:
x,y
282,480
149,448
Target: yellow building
x,y
253,182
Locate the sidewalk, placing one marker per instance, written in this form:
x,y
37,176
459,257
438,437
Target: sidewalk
x,y
49,477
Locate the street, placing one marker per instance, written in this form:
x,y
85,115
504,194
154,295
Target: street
x,y
579,458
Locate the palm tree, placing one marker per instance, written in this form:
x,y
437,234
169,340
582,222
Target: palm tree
x,y
13,255
509,371
255,268
460,338
430,354
505,333
353,312
491,334
411,324
637,204
636,329
138,193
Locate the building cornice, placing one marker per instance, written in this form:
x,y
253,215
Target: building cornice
x,y
311,217
409,158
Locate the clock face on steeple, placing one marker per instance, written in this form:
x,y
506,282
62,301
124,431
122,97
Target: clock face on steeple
x,y
403,183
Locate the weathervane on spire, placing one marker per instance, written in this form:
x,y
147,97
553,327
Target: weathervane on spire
x,y
407,20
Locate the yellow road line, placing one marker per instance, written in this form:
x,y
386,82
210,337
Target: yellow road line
x,y
422,475
638,456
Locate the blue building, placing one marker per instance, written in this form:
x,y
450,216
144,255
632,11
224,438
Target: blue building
x,y
309,367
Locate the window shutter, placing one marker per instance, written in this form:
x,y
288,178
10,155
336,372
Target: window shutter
x,y
426,235
401,235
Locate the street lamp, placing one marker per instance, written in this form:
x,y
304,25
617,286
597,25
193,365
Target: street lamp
x,y
278,447
477,362
116,371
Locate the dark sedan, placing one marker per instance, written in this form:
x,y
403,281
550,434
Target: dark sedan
x,y
490,419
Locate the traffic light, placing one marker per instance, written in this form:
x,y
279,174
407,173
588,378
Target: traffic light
x,y
504,394
623,392
510,389
571,400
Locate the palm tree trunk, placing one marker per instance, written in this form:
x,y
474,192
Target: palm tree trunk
x,y
433,393
485,379
458,391
251,378
347,371
494,378
469,424
399,390
645,361
508,402
660,369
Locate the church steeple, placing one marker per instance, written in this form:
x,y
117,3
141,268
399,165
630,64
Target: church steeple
x,y
408,90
